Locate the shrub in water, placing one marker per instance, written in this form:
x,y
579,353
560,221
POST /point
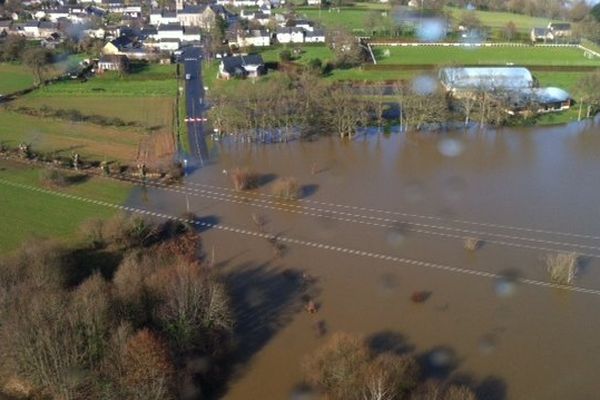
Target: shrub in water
x,y
562,267
286,188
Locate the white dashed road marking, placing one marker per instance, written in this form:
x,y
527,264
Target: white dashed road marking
x,y
360,253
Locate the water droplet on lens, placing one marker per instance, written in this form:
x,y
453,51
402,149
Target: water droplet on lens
x,y
487,344
506,285
450,147
395,238
302,392
431,30
424,85
440,358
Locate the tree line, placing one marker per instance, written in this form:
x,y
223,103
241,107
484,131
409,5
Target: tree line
x,y
120,317
303,104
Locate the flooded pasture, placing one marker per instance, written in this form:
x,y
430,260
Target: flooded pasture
x,y
383,218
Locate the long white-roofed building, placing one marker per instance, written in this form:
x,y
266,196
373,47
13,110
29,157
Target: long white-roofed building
x,y
486,78
516,85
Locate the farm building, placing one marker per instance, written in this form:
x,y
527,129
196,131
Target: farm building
x,y
516,84
485,78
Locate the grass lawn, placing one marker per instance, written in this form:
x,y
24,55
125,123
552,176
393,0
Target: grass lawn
x,y
352,19
323,52
360,74
564,80
155,111
498,20
484,56
151,80
14,77
48,135
146,97
28,213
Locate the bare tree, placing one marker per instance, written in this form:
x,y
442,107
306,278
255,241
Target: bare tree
x,y
342,112
148,371
38,59
339,367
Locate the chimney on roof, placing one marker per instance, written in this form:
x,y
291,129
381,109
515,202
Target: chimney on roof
x,y
178,5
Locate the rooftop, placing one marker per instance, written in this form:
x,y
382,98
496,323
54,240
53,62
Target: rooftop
x,y
503,78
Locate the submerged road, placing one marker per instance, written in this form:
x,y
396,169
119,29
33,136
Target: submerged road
x,y
194,98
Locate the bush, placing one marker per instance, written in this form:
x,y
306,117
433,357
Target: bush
x,y
315,65
243,179
562,267
286,188
472,244
92,231
339,367
53,178
285,55
128,232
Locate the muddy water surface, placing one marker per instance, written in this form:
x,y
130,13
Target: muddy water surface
x,y
382,217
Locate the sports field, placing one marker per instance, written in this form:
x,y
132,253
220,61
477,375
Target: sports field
x,y
29,213
529,55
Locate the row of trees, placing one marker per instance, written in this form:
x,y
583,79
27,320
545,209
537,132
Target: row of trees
x,y
288,104
68,332
305,104
347,368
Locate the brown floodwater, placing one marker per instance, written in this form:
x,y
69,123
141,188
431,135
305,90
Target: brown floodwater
x,y
384,216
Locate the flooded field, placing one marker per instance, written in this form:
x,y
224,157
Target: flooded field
x,y
382,217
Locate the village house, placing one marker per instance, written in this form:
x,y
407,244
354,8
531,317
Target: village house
x,y
560,29
554,31
170,31
308,26
55,14
290,35
257,38
118,45
541,35
315,36
113,62
251,66
159,17
202,16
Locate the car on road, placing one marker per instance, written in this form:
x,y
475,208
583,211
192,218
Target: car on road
x,y
188,77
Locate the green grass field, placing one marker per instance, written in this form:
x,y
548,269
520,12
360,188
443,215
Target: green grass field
x,y
152,112
30,213
308,53
14,77
484,56
497,20
352,19
63,137
145,97
153,80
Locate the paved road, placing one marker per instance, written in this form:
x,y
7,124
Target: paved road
x,y
194,90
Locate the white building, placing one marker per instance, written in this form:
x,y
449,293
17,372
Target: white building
x,y
257,38
170,31
290,35
158,17
315,36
